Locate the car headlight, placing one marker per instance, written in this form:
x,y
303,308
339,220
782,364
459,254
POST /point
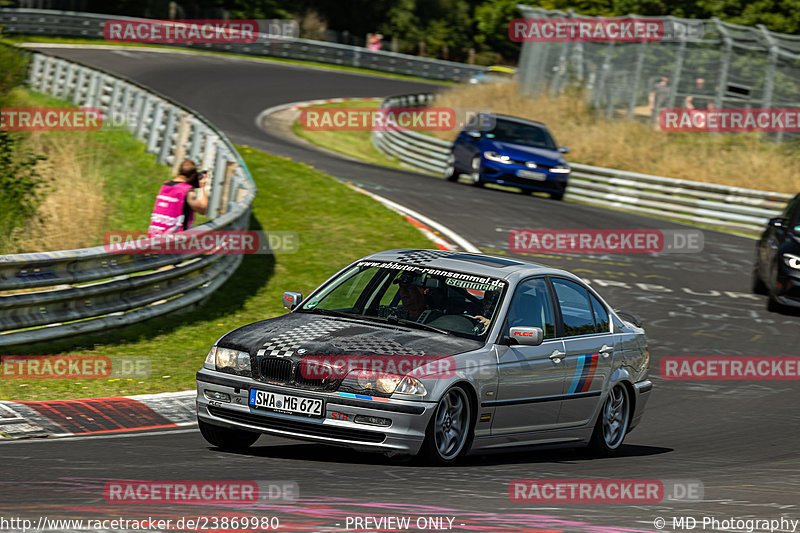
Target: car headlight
x,y
792,261
232,360
385,383
561,169
491,155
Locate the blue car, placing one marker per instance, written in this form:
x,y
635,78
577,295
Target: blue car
x,y
513,151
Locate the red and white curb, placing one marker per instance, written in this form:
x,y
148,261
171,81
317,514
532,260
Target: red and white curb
x,y
441,235
91,416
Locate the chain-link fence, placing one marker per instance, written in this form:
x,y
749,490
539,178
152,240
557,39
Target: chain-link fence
x,y
726,66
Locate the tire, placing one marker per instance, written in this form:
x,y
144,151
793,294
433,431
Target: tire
x,y
450,173
558,196
475,171
449,433
612,422
758,286
773,305
227,438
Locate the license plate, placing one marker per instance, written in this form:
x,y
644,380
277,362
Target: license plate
x,y
538,176
286,403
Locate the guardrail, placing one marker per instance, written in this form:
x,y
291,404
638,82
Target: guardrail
x,y
72,292
90,26
720,206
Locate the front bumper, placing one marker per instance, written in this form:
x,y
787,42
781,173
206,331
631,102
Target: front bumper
x,y
507,175
642,390
409,419
787,290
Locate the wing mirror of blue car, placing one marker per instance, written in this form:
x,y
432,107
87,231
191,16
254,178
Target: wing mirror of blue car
x,y
525,336
563,149
291,299
777,222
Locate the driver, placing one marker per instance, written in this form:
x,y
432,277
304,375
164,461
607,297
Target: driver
x,y
487,308
418,296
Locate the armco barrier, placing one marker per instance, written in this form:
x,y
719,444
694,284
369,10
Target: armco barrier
x,y
80,291
735,208
90,26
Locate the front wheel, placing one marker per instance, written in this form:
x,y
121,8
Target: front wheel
x,y
227,438
557,195
612,422
450,173
448,434
475,171
758,286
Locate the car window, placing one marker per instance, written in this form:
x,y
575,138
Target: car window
x,y
519,133
576,311
531,307
600,315
457,302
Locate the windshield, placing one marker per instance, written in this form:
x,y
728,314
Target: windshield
x,y
453,302
518,133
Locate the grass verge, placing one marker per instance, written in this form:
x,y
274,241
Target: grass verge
x,y
16,39
355,144
96,182
338,226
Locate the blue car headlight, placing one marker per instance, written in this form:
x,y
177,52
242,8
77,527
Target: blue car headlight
x,y
792,261
491,155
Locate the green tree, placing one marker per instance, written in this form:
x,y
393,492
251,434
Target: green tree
x,y
491,27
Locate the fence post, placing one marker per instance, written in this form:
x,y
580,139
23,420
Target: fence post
x,y
769,82
726,61
676,74
166,140
637,75
604,73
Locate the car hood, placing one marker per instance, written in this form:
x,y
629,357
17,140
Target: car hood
x,y
522,152
324,335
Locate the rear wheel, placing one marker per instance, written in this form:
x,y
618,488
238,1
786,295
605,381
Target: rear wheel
x,y
612,422
227,438
475,171
448,433
450,173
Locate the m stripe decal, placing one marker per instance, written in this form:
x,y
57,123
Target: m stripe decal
x,y
584,373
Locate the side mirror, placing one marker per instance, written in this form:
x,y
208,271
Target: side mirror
x,y
474,134
777,222
526,336
563,150
291,299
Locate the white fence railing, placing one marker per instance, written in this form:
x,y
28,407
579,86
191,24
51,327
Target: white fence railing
x,y
50,295
735,208
90,26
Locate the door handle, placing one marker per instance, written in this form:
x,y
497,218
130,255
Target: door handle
x,y
606,350
556,356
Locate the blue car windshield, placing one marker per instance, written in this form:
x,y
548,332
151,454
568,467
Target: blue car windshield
x,y
518,133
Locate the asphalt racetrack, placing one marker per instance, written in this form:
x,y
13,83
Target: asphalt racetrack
x,y
739,438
